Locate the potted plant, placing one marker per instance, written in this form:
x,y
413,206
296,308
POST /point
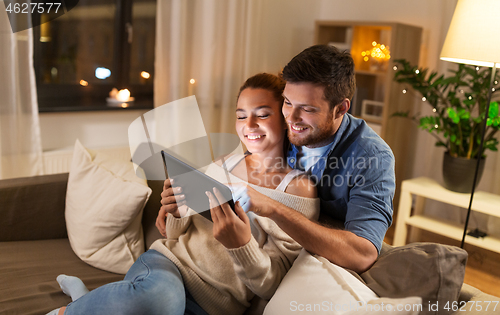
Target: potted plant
x,y
458,104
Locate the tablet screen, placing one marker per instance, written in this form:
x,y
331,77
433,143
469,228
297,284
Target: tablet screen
x,y
194,184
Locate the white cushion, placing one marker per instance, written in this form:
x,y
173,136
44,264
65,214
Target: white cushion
x,y
104,203
315,286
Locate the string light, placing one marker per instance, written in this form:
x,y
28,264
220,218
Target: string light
x,y
493,89
396,68
470,97
423,99
496,82
434,110
417,71
436,126
477,68
404,91
84,83
379,51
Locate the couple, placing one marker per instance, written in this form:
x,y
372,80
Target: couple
x,y
217,268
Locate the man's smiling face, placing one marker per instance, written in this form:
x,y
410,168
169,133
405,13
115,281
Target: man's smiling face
x,y
309,118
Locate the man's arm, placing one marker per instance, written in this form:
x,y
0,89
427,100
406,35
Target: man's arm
x,y
342,248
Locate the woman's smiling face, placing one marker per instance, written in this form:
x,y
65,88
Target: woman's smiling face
x,y
259,121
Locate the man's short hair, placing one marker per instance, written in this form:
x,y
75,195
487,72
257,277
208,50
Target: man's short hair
x,y
326,66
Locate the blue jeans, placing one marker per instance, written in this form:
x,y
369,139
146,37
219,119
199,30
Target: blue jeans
x,y
153,285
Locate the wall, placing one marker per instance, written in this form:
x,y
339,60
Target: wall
x,y
94,129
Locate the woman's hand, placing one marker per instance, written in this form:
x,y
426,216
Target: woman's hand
x,y
231,229
172,201
252,200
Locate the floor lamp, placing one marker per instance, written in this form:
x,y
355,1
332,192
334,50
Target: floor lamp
x,y
473,39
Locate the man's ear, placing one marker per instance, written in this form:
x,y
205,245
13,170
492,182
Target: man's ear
x,y
342,108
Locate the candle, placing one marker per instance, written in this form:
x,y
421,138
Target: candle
x,y
123,95
191,85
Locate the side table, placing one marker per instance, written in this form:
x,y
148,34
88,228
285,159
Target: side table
x,y
422,188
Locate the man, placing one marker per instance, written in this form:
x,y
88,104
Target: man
x,y
352,165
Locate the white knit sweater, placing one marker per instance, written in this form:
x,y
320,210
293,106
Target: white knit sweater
x,y
223,281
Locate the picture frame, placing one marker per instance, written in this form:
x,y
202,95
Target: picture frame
x,y
372,110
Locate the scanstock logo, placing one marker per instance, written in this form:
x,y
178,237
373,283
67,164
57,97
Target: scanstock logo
x,y
24,14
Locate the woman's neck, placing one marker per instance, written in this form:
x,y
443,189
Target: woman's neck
x,y
267,162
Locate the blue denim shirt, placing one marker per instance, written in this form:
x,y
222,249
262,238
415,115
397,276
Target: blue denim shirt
x,y
358,186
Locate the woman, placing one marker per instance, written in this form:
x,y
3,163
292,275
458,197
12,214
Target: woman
x,y
218,267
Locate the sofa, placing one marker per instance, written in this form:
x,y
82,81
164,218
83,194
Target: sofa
x,y
34,249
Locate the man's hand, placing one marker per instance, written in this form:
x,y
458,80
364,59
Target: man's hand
x,y
252,200
231,229
171,202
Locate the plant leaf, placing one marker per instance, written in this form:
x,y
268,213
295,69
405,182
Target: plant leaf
x,y
453,115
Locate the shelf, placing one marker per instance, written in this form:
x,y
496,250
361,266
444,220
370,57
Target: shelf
x,y
453,232
423,187
483,202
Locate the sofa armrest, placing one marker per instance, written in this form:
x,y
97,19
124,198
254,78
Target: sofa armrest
x,y
32,208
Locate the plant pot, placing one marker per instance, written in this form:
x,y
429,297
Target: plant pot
x,y
458,173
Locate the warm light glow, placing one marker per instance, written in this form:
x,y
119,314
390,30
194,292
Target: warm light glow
x,y
145,75
123,95
379,52
124,105
192,81
83,83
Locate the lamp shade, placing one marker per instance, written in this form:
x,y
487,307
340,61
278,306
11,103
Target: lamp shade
x,y
473,34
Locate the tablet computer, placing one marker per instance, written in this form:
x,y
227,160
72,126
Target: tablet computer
x,y
194,184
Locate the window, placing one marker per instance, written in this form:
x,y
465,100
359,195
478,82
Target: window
x,y
97,46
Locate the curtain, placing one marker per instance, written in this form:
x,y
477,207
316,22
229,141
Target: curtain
x,y
213,42
20,140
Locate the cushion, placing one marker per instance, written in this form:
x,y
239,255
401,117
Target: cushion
x,y
316,286
104,203
434,272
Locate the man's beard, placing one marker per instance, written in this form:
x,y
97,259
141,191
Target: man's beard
x,y
322,132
